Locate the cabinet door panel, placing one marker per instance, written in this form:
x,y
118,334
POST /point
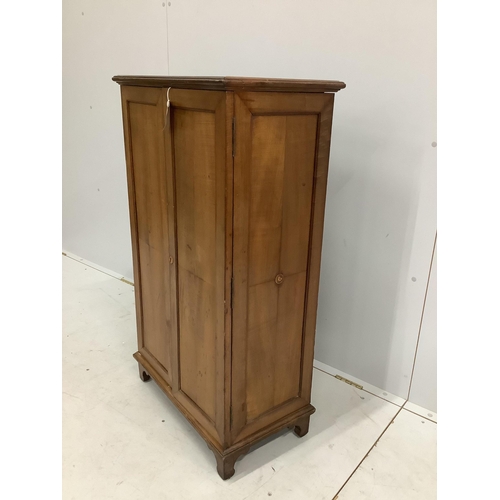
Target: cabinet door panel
x,y
149,211
276,153
196,145
194,154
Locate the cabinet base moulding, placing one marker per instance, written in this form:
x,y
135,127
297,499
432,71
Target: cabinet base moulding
x,y
297,421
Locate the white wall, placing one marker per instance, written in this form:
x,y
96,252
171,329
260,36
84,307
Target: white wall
x,y
380,218
111,37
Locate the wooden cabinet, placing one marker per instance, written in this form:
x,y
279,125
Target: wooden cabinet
x,y
227,186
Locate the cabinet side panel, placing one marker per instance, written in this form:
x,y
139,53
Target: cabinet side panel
x,y
196,197
282,167
280,164
315,242
266,198
147,165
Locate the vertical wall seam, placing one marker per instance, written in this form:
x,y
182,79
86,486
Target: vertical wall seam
x,y
168,43
422,317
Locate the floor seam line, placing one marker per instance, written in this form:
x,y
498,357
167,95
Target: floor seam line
x,y
418,415
369,451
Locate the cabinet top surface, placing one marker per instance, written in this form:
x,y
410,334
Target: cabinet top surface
x,y
232,83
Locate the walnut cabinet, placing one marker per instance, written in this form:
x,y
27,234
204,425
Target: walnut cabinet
x,y
227,186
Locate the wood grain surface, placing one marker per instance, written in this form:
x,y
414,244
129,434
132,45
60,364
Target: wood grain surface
x,y
232,83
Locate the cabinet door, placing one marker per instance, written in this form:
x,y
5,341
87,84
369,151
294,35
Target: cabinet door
x,y
151,225
280,166
196,156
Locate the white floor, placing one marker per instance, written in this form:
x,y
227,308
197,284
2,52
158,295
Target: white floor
x,y
123,439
